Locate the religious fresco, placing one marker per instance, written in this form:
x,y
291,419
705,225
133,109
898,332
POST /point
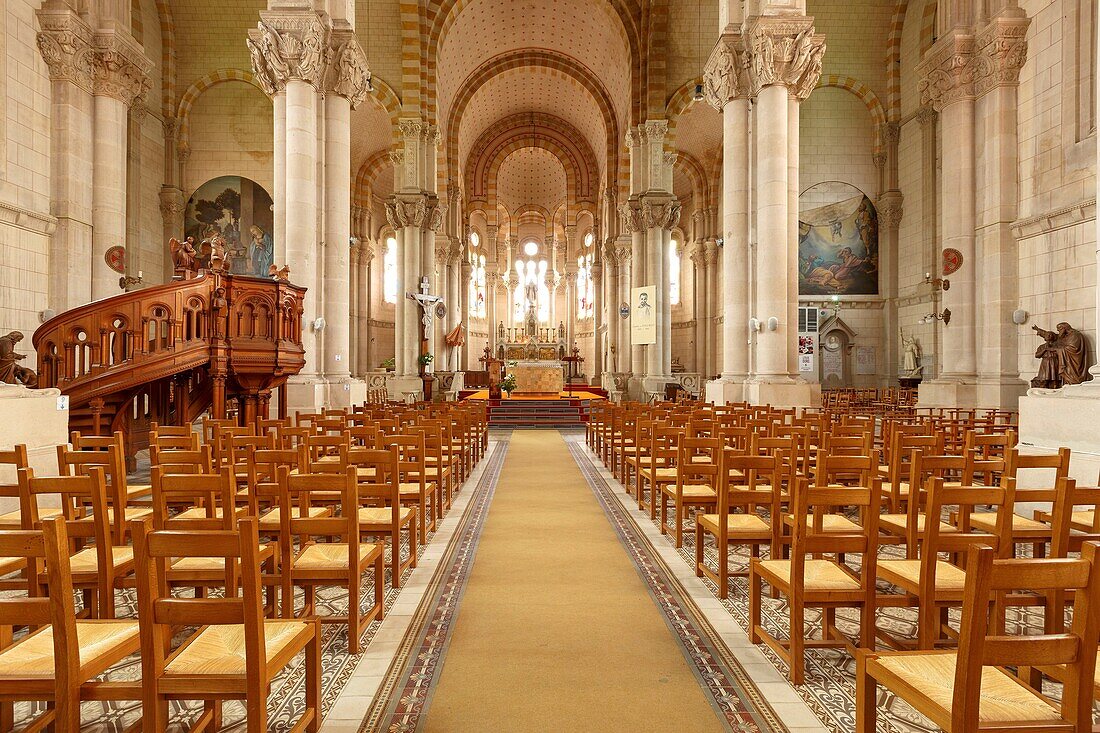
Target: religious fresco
x,y
239,210
838,248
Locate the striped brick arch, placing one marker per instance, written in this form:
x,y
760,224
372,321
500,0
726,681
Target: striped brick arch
x,y
680,101
893,50
536,60
366,176
866,95
187,101
531,130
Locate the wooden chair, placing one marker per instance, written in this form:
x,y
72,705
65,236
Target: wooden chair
x,y
17,459
970,690
381,513
235,653
119,510
99,569
660,469
342,563
931,583
744,484
134,490
809,579
695,485
416,489
60,659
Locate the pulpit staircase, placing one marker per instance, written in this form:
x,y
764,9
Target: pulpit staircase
x,y
169,353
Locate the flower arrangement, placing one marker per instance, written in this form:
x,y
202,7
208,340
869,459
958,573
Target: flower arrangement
x,y
508,383
389,364
425,359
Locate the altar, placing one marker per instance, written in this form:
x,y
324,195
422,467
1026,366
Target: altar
x,y
538,377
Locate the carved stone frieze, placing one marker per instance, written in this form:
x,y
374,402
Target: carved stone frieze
x,y
725,76
121,69
784,51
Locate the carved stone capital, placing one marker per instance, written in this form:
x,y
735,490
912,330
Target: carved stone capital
x,y
890,210
710,252
784,51
926,115
725,76
660,213
415,211
1001,50
947,71
65,42
891,133
288,45
349,76
630,216
171,205
121,67
655,130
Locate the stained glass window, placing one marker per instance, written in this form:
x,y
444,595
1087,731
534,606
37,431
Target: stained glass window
x,y
477,287
389,271
674,272
585,288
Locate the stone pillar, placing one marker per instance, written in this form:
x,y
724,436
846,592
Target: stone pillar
x,y
570,305
710,300
784,66
597,363
725,85
462,271
699,306
278,165
1002,50
288,52
365,350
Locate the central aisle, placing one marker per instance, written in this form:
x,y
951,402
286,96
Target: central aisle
x,y
555,630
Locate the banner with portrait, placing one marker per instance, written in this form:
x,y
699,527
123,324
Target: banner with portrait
x,y
643,315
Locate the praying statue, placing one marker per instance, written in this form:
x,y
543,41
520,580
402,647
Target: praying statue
x,y
1063,357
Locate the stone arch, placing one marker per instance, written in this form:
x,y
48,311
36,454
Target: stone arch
x,y
539,58
364,177
867,96
187,101
167,58
680,101
655,17
700,184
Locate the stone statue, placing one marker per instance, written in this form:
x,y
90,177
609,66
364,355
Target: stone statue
x,y
10,371
911,356
1063,357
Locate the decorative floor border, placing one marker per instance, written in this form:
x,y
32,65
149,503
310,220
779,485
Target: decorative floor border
x,y
406,690
728,687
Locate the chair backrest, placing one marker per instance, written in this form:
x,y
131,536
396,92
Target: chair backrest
x,y
379,476
697,460
263,474
200,460
1041,464
210,491
160,613
747,481
810,504
16,458
964,499
300,490
97,442
982,646
174,442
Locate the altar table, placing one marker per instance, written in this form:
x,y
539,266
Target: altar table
x,y
539,377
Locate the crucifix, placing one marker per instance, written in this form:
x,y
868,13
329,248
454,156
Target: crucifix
x,y
428,304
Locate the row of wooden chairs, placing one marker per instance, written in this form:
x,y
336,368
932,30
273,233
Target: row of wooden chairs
x,y
814,490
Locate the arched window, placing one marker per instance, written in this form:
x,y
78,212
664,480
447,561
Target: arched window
x,y
589,239
477,287
531,272
389,271
585,289
674,272
475,239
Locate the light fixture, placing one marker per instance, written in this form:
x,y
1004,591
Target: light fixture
x,y
698,96
773,324
944,316
126,281
1019,316
754,324
937,283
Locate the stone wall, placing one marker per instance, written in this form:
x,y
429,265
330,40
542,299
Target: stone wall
x,y
25,221
231,135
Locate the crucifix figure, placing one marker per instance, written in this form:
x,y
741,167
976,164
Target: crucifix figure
x,y
427,304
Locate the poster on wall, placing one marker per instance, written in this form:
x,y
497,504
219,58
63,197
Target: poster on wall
x,y
806,346
239,210
838,248
643,315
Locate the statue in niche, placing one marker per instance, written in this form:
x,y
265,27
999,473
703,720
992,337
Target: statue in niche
x,y
11,372
911,356
1063,357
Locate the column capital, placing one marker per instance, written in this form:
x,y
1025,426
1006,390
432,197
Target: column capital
x,y
171,204
65,42
1002,50
348,74
630,215
946,74
926,115
710,252
890,209
417,210
121,67
725,75
288,45
661,211
784,51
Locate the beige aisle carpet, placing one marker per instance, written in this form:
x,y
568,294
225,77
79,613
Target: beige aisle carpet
x,y
555,629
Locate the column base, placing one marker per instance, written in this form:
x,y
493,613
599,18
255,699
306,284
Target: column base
x,y
305,394
346,392
646,389
1002,394
1055,418
788,393
724,390
405,389
947,393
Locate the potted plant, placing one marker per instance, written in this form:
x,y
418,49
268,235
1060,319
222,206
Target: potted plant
x,y
389,364
425,360
508,383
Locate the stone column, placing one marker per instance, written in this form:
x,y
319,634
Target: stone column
x,y
120,76
366,292
636,263
597,364
492,283
1002,49
725,84
278,165
347,87
570,305
784,66
710,298
354,288
699,307
462,271
288,49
